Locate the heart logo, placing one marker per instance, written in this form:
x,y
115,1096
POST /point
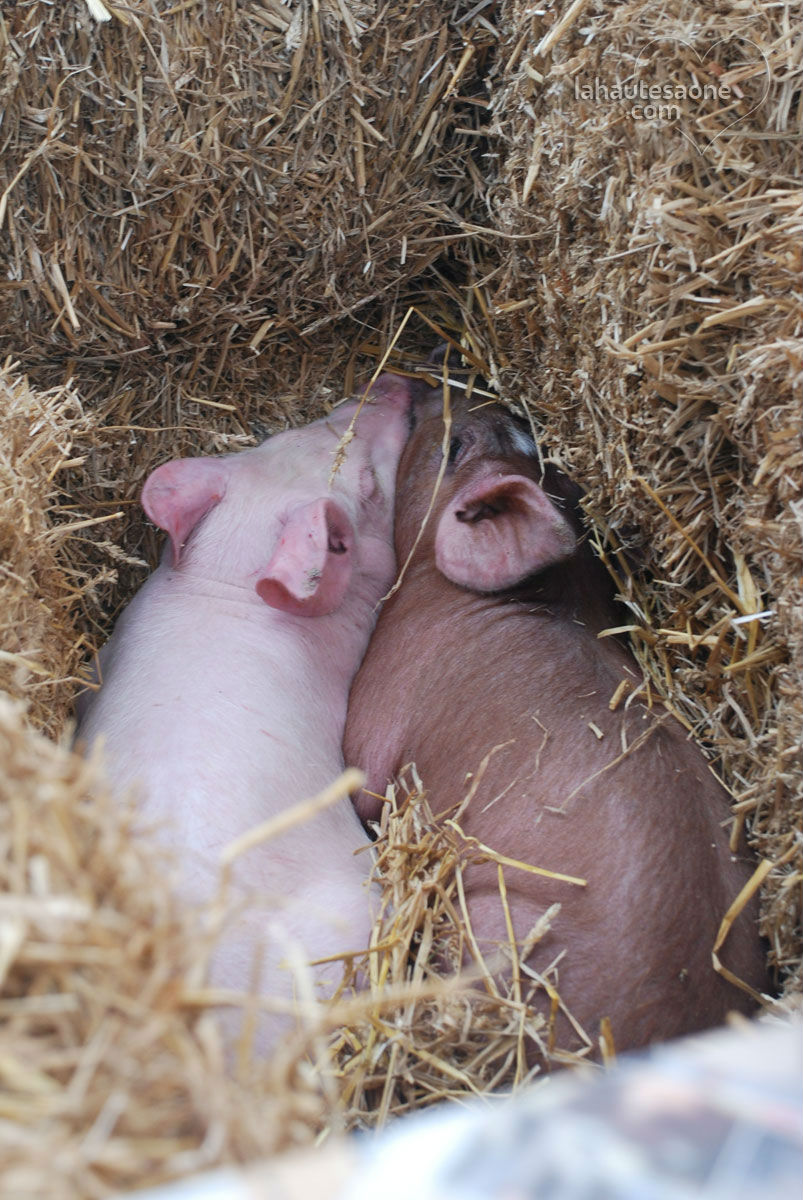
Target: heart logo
x,y
641,61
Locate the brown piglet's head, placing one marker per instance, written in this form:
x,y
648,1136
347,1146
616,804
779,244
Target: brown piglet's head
x,y
497,518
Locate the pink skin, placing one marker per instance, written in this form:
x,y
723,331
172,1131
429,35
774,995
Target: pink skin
x,y
224,685
490,648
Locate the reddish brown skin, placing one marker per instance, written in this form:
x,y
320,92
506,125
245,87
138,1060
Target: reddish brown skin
x,y
451,673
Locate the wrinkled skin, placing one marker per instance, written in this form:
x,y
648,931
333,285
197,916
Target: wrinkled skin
x,y
489,651
224,685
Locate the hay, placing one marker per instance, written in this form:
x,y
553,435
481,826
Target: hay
x,y
40,653
207,186
108,1081
214,219
457,1033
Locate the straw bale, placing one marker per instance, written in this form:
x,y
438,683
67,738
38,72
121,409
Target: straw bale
x,y
40,650
108,1078
190,191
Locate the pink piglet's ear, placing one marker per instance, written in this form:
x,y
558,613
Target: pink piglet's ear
x,y
178,494
497,531
309,572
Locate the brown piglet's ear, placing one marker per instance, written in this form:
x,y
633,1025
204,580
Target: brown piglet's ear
x,y
498,530
178,494
310,570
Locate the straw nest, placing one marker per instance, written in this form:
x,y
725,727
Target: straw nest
x,y
215,218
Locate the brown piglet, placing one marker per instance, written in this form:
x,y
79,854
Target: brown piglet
x,y
486,670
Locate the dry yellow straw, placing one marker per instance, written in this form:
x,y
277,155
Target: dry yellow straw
x,y
750,888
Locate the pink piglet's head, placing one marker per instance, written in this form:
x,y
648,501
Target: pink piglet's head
x,y
279,520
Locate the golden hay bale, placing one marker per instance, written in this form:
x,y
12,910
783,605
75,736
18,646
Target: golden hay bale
x,y
106,1079
40,652
193,190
